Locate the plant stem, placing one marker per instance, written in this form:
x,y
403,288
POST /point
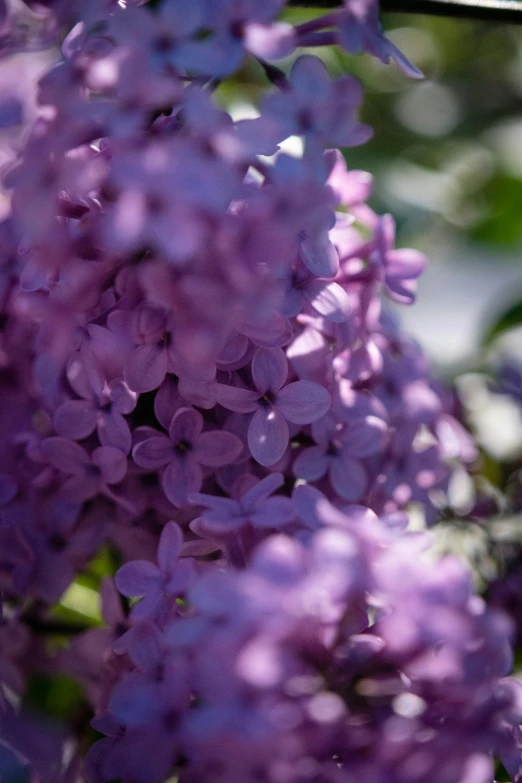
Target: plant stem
x,y
501,11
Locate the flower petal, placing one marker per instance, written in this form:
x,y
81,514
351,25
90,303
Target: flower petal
x,y
217,449
66,455
186,425
113,430
310,79
365,437
146,368
137,578
303,402
153,453
405,263
181,578
75,419
142,643
269,369
268,436
235,399
275,512
305,500
348,478
320,256
167,401
273,332
262,490
215,502
169,547
112,463
181,477
311,464
328,299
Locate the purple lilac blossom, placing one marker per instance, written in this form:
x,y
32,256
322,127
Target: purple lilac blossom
x,y
273,404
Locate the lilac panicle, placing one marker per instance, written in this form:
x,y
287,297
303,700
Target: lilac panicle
x,y
202,387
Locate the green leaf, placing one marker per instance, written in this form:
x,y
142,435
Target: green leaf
x,y
509,319
56,697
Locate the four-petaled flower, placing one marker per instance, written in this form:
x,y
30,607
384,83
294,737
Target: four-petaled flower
x,y
183,451
157,586
301,402
89,475
338,452
255,507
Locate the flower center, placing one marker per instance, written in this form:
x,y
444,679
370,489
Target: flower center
x,y
183,446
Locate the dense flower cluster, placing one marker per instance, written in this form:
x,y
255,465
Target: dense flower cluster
x,y
195,359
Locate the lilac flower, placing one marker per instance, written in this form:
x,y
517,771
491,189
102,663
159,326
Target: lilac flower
x,y
300,196
301,402
156,353
326,298
358,29
318,108
338,452
314,510
89,475
184,451
246,26
158,585
398,269
255,507
77,419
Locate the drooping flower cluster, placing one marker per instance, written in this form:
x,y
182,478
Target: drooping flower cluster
x,y
194,358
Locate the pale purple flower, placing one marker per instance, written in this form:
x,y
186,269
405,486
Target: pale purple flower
x,y
325,297
275,404
317,107
397,269
314,213
182,453
358,29
310,505
351,187
157,586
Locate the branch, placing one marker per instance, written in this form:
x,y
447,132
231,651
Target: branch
x,y
501,11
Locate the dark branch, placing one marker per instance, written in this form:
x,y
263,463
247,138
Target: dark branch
x,y
502,11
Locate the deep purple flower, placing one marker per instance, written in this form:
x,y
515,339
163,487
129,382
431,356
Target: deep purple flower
x,y
89,475
77,419
184,451
157,586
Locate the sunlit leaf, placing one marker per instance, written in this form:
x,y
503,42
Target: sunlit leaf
x,y
509,319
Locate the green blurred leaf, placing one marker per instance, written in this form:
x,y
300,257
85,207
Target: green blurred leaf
x,y
502,223
509,319
56,697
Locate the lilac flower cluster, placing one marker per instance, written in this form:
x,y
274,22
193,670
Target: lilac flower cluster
x,y
195,359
